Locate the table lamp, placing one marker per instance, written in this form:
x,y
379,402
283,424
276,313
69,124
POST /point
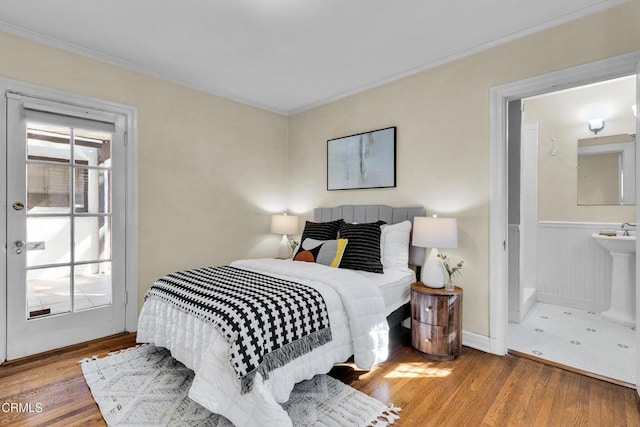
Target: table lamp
x,y
287,225
434,233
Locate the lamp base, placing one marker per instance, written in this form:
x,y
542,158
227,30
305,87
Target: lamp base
x,y
284,249
433,272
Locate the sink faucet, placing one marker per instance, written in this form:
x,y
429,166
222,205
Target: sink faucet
x,y
625,229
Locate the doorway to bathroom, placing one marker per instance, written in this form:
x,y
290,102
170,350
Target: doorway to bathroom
x,y
571,175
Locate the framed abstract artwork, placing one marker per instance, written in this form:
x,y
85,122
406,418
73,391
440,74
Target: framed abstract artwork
x,y
363,160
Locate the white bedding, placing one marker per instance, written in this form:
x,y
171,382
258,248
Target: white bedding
x,y
358,326
395,286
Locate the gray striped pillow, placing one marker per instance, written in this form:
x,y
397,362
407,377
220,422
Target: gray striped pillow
x,y
363,250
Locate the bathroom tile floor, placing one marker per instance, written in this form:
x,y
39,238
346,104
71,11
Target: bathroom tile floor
x,y
577,338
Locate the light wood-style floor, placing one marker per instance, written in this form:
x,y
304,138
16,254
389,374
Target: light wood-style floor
x,y
476,389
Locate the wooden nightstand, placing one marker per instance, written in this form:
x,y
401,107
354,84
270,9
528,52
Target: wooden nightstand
x,y
436,321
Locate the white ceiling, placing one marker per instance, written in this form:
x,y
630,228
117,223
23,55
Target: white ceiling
x,y
284,55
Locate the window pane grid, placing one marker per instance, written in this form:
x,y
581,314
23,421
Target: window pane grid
x,y
92,261
66,215
34,161
69,176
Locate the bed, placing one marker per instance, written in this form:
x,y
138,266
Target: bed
x,y
354,311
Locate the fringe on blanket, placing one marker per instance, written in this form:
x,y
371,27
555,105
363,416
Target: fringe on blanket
x,y
284,355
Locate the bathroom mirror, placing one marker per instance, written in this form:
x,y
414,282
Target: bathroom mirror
x,y
606,170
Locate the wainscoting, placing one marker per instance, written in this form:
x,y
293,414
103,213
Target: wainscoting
x,y
573,270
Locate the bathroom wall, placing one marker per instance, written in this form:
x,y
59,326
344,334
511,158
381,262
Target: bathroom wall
x,y
572,269
563,120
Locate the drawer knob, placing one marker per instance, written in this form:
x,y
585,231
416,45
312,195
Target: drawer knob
x,y
427,309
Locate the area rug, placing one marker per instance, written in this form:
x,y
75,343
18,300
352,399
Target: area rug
x,y
145,386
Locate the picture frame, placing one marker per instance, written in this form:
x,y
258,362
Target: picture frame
x,y
363,160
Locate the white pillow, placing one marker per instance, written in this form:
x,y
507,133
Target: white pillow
x,y
394,245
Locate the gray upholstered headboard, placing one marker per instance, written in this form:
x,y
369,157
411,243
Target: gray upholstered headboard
x,y
373,213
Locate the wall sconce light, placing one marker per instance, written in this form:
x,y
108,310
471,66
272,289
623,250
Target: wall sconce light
x,y
435,233
285,225
596,125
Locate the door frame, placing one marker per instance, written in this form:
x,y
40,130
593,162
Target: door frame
x,y
131,197
606,69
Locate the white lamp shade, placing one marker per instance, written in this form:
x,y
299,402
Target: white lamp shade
x,y
284,224
434,232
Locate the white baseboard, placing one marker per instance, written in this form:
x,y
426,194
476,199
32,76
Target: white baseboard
x,y
529,300
572,302
514,316
477,341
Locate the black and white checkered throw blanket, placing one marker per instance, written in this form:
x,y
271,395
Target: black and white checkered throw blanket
x,y
266,321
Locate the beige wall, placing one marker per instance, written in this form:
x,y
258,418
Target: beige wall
x,y
210,170
556,116
442,116
598,179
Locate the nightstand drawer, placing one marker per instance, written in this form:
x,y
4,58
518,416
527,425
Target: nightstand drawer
x,y
430,339
436,321
430,309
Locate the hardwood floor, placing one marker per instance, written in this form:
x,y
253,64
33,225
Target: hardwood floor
x,y
476,389
483,389
54,380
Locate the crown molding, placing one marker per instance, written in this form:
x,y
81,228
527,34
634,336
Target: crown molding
x,y
588,10
132,66
595,7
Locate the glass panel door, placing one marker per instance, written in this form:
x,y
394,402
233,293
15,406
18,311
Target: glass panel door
x,y
65,227
67,167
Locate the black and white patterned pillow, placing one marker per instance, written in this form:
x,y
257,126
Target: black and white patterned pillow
x,y
327,252
363,250
321,230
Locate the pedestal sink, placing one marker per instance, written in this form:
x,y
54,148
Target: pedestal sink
x,y
623,278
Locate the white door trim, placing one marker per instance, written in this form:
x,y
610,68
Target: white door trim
x,y
605,69
637,222
131,159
